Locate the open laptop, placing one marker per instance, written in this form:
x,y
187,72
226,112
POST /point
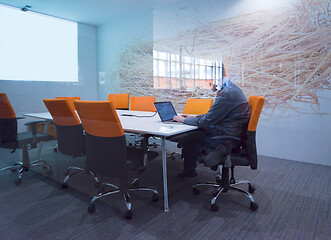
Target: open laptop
x,y
166,111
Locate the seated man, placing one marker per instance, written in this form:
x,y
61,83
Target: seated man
x,y
229,115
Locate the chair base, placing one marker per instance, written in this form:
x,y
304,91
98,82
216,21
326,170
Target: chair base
x,y
77,170
133,186
224,185
21,168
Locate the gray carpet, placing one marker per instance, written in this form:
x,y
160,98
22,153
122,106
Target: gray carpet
x,y
293,197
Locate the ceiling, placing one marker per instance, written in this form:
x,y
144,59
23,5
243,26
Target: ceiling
x,y
93,12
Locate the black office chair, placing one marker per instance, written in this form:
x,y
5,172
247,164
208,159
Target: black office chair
x,y
106,152
10,139
70,134
244,156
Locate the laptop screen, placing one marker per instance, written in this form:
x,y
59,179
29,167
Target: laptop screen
x,y
165,110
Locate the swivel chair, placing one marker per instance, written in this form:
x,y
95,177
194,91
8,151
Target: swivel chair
x,y
106,152
246,155
145,104
120,101
197,106
11,139
70,134
70,101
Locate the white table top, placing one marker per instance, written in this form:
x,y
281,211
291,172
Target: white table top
x,y
143,125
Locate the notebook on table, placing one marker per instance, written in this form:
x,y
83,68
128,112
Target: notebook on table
x,y
166,111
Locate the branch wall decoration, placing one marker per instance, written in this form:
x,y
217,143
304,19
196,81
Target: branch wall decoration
x,y
283,56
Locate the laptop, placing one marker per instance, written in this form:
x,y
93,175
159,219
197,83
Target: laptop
x,y
166,111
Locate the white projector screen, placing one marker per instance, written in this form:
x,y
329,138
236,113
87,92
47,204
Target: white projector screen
x,y
37,47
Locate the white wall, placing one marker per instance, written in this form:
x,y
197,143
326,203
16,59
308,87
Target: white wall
x,y
113,38
304,137
27,96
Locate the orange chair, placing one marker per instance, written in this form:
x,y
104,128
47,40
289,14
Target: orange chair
x,y
70,100
70,132
142,104
120,101
10,139
197,106
246,155
106,152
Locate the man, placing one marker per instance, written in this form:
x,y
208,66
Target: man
x,y
229,115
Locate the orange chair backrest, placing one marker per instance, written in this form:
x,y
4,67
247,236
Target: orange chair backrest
x,y
71,101
99,118
143,104
256,104
62,112
120,101
6,109
197,106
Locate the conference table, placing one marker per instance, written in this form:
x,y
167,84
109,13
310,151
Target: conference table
x,y
140,123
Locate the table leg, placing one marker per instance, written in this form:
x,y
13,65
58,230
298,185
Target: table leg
x,y
46,126
165,181
40,144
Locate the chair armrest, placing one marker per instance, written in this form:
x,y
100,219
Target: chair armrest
x,y
228,143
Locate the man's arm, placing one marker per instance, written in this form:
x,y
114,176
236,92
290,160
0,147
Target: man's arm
x,y
216,113
182,117
225,102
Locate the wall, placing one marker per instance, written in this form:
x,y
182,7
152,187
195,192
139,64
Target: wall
x,y
301,136
113,40
27,96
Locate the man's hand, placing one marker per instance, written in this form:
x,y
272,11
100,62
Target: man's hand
x,y
182,117
187,116
178,119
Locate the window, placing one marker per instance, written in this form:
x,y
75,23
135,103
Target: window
x,y
172,71
37,47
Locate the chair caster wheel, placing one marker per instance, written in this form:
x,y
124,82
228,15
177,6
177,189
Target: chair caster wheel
x,y
251,189
64,185
128,214
155,198
91,208
196,191
55,150
214,207
254,206
18,181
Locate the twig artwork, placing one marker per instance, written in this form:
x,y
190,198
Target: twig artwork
x,y
284,57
